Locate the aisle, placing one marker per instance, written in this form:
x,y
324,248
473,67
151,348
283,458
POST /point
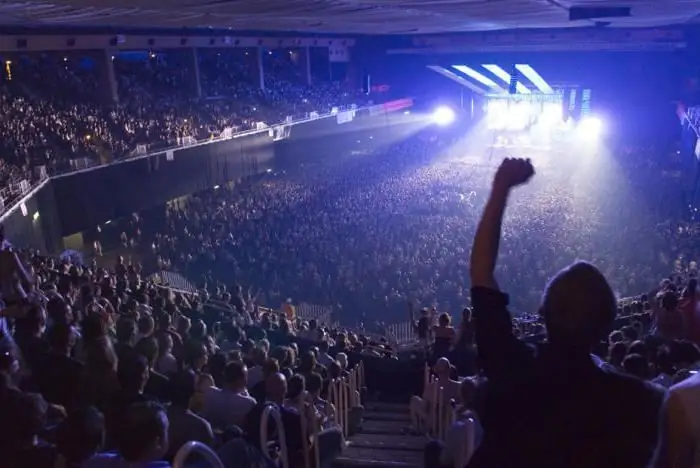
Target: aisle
x,y
383,440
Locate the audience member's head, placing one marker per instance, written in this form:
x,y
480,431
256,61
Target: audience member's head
x,y
276,388
126,330
578,307
236,376
148,348
314,385
144,434
133,372
296,387
61,338
617,353
182,389
81,435
442,368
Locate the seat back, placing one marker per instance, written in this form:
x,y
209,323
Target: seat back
x,y
272,411
196,447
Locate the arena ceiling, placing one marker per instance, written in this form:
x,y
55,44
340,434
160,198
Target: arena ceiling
x,y
338,16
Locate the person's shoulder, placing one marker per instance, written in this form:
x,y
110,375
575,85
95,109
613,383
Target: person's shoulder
x,y
239,397
689,385
634,388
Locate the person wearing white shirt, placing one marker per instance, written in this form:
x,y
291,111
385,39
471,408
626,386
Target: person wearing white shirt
x,y
228,406
255,373
462,437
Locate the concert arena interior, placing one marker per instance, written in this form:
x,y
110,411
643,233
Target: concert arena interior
x,y
390,234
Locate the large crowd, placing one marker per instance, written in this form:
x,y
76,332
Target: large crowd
x,y
66,122
582,364
100,367
315,233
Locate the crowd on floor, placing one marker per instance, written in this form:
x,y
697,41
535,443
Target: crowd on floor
x,y
104,369
360,237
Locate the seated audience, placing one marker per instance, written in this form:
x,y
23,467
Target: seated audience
x,y
228,406
141,441
184,424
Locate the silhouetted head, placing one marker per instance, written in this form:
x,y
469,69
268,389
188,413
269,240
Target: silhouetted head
x,y
578,306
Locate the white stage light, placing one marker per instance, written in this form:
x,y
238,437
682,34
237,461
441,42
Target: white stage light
x,y
443,116
551,115
590,127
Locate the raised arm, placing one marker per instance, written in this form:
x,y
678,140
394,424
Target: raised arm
x,y
501,355
511,173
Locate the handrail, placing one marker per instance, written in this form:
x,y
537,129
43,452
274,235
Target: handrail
x,y
275,413
344,394
315,429
308,117
196,447
17,201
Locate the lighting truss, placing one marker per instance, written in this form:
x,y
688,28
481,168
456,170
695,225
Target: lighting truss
x,y
475,75
530,73
505,77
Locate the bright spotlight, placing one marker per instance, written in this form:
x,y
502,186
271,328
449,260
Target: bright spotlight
x,y
443,116
590,127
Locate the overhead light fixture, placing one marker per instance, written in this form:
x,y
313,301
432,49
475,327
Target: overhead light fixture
x,y
535,78
505,77
485,80
457,78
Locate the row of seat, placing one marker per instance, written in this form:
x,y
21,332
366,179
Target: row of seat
x,y
343,394
435,413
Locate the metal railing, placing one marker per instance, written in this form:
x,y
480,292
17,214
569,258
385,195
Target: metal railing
x,y
85,163
14,193
13,198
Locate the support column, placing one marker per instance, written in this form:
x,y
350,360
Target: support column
x,y
305,63
194,66
259,68
353,74
107,78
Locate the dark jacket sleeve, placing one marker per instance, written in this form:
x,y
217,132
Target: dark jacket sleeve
x,y
501,355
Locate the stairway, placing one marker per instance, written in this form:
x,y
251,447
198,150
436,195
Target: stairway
x,y
383,440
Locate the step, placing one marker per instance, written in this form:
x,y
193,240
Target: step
x,y
384,427
384,416
373,458
389,442
381,407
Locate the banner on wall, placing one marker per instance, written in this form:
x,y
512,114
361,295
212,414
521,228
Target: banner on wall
x,y
397,105
338,54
